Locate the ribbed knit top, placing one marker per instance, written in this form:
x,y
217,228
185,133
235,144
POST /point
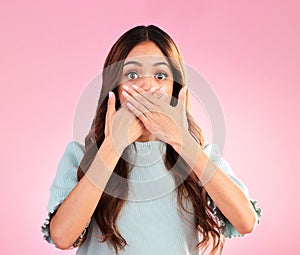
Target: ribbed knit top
x,y
149,221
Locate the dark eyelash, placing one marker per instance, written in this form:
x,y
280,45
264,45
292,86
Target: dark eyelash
x,y
127,73
131,72
162,72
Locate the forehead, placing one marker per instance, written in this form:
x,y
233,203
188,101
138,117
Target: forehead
x,y
146,52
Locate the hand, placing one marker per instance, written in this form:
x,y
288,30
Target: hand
x,y
170,124
121,126
166,122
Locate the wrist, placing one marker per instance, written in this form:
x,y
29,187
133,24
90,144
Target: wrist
x,y
184,140
190,150
177,141
116,146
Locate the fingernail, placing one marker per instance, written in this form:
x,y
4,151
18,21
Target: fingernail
x,y
125,87
110,94
135,87
125,93
152,89
163,89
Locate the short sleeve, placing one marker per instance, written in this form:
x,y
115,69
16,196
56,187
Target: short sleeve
x,y
227,229
65,180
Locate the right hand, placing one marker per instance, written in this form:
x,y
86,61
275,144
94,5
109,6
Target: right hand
x,y
122,126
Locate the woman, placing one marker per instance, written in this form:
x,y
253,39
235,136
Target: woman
x,y
163,194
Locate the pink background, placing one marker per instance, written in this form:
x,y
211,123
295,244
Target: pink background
x,y
248,50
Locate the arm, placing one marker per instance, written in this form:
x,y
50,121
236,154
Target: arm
x,y
227,195
232,201
76,210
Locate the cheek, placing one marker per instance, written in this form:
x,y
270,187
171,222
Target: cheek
x,y
170,89
121,97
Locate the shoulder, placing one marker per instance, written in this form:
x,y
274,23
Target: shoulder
x,y
74,149
214,153
73,153
68,164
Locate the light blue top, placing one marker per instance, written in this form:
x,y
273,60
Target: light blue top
x,y
149,220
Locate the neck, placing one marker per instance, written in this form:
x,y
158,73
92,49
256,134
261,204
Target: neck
x,y
147,138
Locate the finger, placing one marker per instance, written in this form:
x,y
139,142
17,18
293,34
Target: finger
x,y
110,111
182,96
159,92
137,113
135,101
147,98
111,104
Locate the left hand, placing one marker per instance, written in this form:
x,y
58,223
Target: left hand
x,y
166,122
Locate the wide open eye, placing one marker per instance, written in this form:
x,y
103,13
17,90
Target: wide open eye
x,y
161,76
132,75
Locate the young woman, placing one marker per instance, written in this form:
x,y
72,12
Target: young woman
x,y
144,182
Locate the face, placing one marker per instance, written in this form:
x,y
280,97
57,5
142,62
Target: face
x,y
146,66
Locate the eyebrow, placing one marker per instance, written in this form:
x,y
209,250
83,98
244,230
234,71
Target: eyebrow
x,y
140,64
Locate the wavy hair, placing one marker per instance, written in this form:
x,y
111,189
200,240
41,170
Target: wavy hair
x,y
109,207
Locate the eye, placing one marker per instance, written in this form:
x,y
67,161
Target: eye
x,y
161,76
132,75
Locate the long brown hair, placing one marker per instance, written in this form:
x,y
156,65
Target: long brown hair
x,y
109,207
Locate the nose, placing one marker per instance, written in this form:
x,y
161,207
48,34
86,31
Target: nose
x,y
147,82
